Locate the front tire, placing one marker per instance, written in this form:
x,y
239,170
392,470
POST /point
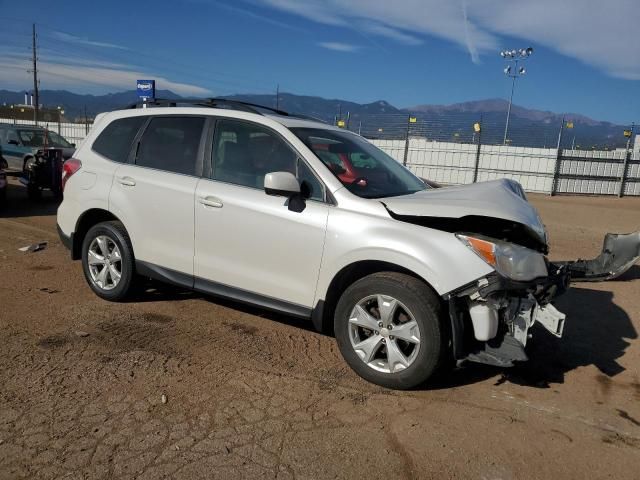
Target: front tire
x,y
108,262
389,330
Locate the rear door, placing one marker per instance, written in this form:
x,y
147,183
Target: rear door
x,y
154,193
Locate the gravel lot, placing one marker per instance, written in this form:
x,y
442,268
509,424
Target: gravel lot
x,y
255,395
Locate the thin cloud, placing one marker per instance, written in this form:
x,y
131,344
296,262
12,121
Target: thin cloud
x,y
339,46
480,26
471,47
247,13
392,33
67,37
88,75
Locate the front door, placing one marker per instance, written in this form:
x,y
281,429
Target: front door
x,y
250,245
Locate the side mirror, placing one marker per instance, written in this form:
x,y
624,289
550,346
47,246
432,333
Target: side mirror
x,y
73,145
283,184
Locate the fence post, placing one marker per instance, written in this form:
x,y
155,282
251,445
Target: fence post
x,y
623,178
477,164
406,142
625,165
556,171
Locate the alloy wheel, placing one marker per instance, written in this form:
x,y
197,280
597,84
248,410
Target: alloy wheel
x,y
105,262
384,333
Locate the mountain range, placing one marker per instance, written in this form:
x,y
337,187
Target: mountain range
x,y
528,127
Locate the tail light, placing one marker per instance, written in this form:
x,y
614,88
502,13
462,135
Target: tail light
x,y
69,167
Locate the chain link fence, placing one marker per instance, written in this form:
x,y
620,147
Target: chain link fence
x,y
455,149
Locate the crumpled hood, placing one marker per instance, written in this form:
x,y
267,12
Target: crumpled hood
x,y
503,199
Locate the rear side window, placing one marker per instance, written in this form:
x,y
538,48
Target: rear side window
x,y
115,141
171,144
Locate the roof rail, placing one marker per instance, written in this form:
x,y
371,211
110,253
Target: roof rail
x,y
218,103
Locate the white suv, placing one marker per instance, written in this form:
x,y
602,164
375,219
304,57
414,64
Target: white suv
x,y
255,205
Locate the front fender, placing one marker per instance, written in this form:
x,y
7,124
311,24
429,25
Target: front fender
x,y
437,257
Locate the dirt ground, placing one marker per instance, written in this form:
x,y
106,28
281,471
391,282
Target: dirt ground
x,y
256,395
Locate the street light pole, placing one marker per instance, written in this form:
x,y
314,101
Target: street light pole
x,y
506,127
514,72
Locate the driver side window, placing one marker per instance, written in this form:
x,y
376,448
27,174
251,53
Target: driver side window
x,y
243,153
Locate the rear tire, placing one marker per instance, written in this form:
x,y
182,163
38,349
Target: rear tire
x,y
388,326
108,262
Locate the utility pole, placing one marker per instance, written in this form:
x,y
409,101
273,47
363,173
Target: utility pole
x,y
36,99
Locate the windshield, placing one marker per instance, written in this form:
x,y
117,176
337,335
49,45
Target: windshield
x,y
36,138
361,167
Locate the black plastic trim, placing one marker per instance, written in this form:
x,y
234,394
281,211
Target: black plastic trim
x,y
221,290
167,275
67,240
251,298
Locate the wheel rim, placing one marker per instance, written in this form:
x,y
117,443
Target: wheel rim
x,y
384,333
105,263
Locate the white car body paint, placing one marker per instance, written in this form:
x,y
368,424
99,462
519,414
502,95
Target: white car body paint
x,y
254,243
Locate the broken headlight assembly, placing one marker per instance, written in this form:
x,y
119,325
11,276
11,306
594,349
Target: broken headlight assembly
x,y
509,260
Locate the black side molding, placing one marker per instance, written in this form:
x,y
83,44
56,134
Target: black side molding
x,y
67,240
251,298
166,275
184,280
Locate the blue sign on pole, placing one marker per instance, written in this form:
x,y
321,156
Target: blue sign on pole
x,y
146,89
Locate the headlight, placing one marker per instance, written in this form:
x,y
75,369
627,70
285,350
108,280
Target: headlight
x,y
512,261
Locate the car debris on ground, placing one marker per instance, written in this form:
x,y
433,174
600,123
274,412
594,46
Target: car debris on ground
x,y
36,247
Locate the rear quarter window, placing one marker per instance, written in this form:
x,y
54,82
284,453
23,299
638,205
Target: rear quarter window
x,y
114,142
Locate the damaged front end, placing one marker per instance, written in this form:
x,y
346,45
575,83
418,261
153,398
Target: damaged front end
x,y
491,318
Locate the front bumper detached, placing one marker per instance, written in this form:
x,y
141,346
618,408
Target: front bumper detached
x,y
619,253
491,319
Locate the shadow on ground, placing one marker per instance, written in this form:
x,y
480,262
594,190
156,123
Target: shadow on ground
x,y
19,205
156,291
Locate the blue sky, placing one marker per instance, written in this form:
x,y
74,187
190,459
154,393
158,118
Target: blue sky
x,y
408,52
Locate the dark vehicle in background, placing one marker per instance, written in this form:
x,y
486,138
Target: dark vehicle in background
x,y
3,179
20,143
44,172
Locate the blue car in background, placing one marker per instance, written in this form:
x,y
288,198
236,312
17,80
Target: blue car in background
x,y
20,143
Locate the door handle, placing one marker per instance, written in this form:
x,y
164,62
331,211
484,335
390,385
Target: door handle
x,y
211,202
127,181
